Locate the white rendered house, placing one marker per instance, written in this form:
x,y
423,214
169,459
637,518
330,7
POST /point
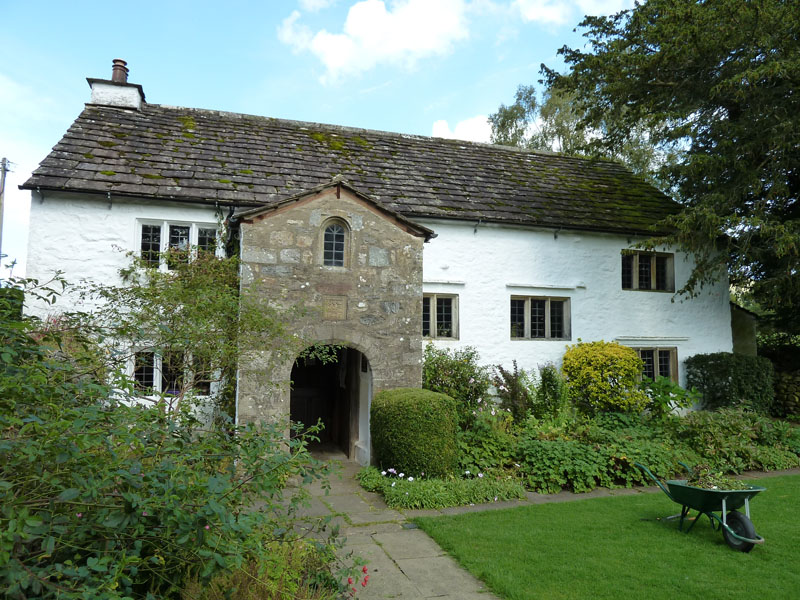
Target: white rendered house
x,y
396,239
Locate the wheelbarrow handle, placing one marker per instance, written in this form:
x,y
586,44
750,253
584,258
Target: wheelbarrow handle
x,y
655,479
687,467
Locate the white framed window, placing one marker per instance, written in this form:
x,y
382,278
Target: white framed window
x,y
182,239
335,243
653,271
440,316
540,318
659,362
170,373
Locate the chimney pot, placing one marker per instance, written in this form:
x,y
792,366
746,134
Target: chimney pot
x,y
119,72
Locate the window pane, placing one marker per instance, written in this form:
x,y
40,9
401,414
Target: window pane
x,y
202,375
664,363
644,272
172,373
334,246
444,317
151,244
648,358
207,239
537,318
517,318
661,272
426,316
557,318
178,244
144,371
627,271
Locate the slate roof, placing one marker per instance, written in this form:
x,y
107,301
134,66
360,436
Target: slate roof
x,y
173,153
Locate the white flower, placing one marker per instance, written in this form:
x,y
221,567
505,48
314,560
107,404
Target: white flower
x,y
393,483
411,479
495,498
401,475
466,472
492,412
383,472
480,474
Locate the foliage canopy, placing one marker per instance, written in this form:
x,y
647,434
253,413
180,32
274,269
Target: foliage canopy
x,y
718,81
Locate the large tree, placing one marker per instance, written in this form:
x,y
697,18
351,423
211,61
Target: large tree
x,y
719,79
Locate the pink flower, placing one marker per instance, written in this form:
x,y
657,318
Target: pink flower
x,y
208,527
79,515
144,513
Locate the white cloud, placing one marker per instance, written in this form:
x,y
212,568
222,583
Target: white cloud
x,y
561,12
372,35
315,5
474,129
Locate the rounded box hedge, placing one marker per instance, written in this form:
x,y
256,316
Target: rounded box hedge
x,y
414,431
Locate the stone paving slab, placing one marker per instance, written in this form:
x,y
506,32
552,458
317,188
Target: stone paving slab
x,y
440,577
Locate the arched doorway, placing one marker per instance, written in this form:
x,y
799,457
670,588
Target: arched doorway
x,y
338,393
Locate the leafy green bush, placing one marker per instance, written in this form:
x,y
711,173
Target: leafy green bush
x,y
604,377
458,375
101,497
439,493
488,445
665,396
733,440
551,398
584,454
295,570
515,390
725,379
415,430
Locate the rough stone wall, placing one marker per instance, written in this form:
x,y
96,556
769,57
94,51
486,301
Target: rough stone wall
x,y
787,393
372,304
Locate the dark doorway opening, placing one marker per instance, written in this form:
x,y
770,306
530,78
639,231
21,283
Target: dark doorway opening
x,y
330,392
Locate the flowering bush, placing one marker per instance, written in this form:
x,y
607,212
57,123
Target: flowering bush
x,y
424,492
515,389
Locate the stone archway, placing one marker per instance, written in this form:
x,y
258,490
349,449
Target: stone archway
x,y
372,304
338,394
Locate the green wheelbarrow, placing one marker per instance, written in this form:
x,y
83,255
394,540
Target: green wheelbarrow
x,y
737,528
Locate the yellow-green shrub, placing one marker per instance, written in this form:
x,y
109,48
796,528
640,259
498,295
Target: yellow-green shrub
x,y
414,431
604,377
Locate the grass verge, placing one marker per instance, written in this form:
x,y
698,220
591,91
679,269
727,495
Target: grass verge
x,y
620,548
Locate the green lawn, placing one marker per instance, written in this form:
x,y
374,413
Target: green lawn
x,y
617,548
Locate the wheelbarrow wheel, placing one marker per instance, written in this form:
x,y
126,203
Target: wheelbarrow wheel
x,y
741,526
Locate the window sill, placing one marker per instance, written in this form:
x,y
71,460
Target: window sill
x,y
641,290
524,339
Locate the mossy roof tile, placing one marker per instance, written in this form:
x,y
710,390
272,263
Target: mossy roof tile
x,y
209,152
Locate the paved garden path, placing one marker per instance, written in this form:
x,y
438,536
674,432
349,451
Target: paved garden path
x,y
403,562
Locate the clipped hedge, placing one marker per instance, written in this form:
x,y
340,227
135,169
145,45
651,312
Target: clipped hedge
x,y
414,431
726,379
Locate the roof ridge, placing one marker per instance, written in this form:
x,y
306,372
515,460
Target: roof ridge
x,y
383,133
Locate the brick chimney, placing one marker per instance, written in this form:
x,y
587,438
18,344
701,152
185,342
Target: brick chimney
x,y
117,91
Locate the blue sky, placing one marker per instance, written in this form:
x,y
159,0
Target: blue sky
x,y
428,67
